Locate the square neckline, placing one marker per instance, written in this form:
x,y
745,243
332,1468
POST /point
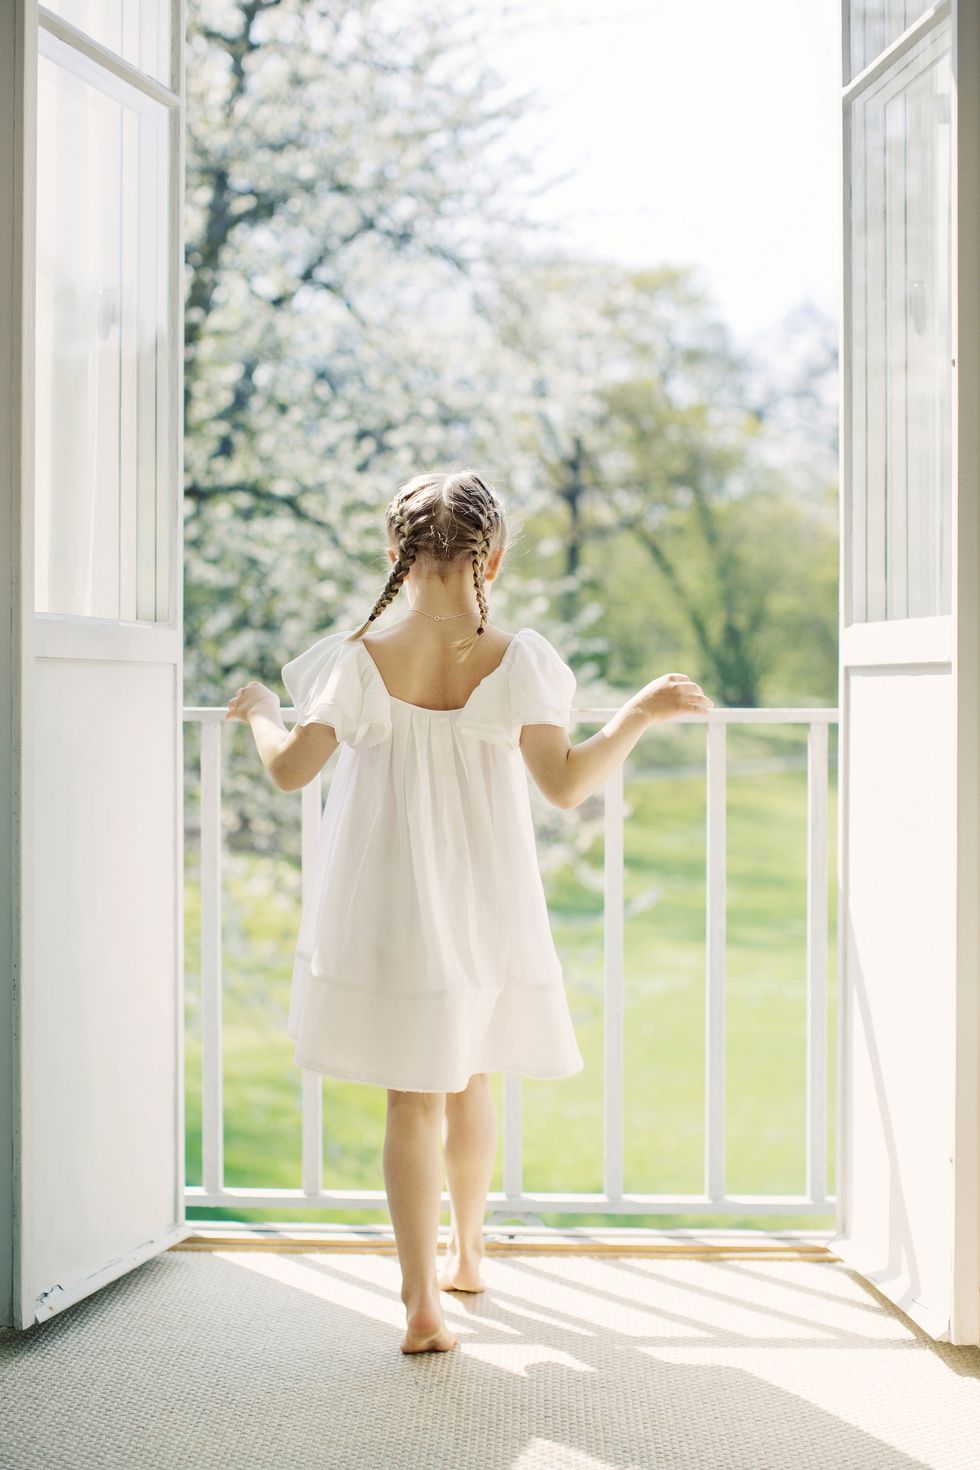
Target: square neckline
x,y
427,709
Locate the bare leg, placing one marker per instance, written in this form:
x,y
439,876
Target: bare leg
x,y
413,1181
470,1147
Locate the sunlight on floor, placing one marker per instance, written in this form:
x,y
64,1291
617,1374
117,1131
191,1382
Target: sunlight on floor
x,y
566,1362
806,1329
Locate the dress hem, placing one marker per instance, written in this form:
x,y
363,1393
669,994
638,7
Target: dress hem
x,y
403,1087
398,1039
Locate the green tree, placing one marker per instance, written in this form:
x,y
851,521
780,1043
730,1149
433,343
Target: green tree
x,y
643,421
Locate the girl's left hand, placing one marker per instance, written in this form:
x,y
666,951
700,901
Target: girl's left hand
x,y
247,700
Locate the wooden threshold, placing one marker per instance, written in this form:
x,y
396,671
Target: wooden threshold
x,y
359,1244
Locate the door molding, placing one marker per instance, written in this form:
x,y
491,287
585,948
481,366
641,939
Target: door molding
x,y
11,449
898,641
966,668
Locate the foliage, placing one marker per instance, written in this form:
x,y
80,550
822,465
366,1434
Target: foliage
x,y
366,297
337,164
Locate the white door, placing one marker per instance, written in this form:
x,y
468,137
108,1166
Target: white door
x,y
98,1062
909,872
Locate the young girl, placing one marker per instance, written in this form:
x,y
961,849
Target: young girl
x,y
425,959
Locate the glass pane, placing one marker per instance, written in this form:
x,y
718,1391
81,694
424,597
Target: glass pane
x,y
136,30
103,415
901,339
875,24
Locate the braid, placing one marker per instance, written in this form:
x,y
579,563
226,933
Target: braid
x,y
442,517
480,554
405,540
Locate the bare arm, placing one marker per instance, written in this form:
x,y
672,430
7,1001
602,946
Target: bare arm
x,y
292,757
566,774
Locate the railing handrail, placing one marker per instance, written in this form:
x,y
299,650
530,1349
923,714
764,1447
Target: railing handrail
x,y
749,715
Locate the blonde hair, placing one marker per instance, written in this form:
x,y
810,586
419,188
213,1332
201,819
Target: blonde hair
x,y
442,518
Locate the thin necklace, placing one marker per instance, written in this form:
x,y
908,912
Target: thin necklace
x,y
444,617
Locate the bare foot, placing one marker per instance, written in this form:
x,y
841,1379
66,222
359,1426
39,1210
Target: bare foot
x,y
426,1331
461,1273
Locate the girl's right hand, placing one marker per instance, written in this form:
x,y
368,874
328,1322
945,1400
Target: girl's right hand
x,y
672,695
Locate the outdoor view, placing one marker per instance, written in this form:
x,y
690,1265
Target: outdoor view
x,y
590,250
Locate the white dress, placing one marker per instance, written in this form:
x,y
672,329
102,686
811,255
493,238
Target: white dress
x,y
425,952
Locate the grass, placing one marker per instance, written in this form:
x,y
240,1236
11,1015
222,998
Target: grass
x,y
664,1083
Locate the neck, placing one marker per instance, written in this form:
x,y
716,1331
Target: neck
x,y
443,599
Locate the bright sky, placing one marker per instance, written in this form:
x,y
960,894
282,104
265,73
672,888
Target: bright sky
x,y
699,131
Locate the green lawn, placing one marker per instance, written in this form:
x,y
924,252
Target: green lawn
x,y
664,1030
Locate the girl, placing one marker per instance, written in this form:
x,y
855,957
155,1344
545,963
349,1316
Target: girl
x,y
425,959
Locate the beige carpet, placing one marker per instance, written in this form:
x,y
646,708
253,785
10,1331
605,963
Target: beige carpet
x,y
247,1360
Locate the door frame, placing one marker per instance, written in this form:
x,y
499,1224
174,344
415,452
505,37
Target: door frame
x,y
11,352
966,665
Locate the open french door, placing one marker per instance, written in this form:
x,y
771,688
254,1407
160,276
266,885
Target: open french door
x,y
909,955
93,190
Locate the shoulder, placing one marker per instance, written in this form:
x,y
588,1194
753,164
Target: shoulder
x,y
541,678
329,683
533,649
532,684
520,655
533,641
327,648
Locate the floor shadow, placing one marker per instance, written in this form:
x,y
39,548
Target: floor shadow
x,y
262,1360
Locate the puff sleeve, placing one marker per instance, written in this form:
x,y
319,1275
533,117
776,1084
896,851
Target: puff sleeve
x,y
542,685
327,684
532,686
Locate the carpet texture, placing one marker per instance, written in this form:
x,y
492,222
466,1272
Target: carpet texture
x,y
254,1360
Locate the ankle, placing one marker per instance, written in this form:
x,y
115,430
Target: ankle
x,y
426,1295
469,1250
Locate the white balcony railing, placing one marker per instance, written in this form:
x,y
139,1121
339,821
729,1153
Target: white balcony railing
x,y
513,1200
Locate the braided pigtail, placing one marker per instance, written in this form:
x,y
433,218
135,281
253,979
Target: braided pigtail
x,y
401,529
480,553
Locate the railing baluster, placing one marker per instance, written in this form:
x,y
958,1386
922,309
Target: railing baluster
x,y
613,1199
513,1137
714,1010
816,964
312,1094
212,1082
613,935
